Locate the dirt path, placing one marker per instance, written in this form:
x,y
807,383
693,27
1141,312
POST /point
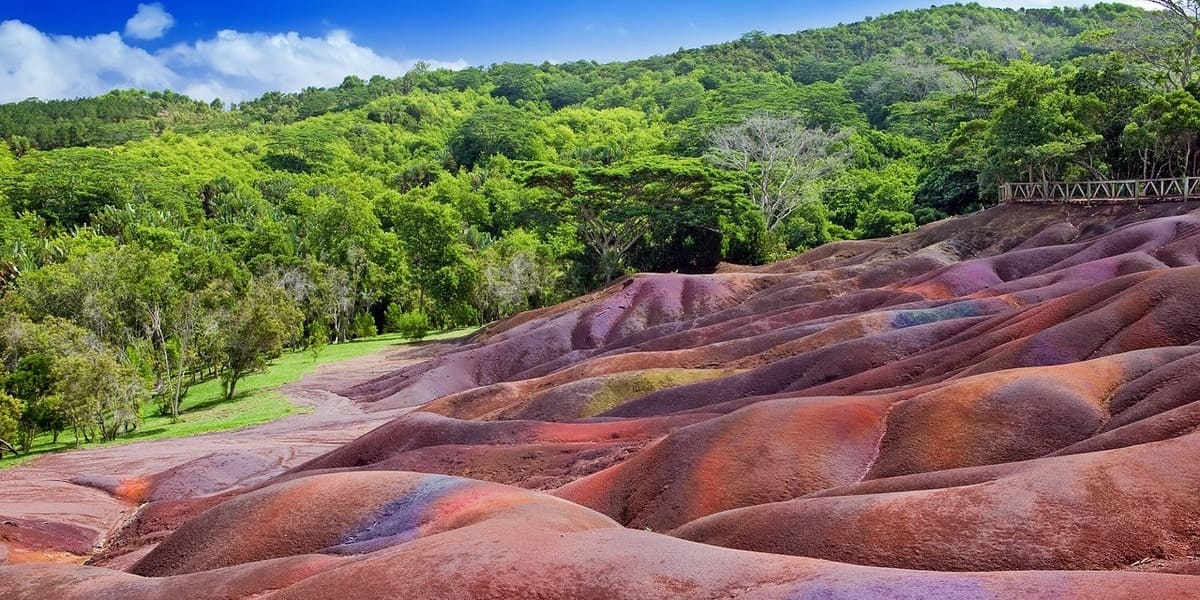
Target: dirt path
x,y
60,506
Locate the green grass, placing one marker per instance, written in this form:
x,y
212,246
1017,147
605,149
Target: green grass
x,y
257,401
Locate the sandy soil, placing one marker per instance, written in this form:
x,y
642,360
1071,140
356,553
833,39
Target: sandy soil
x,y
61,507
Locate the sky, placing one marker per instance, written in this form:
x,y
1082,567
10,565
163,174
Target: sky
x,y
238,50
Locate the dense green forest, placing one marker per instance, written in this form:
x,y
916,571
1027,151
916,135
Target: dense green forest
x,y
149,240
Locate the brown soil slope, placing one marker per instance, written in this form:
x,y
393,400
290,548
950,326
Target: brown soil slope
x,y
999,405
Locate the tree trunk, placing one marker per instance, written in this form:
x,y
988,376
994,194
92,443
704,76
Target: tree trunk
x,y
229,390
178,392
103,429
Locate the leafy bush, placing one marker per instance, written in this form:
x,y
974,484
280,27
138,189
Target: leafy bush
x,y
363,326
412,325
948,188
317,338
392,317
925,214
881,222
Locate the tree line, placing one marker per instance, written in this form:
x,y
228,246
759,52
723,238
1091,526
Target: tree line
x,y
149,241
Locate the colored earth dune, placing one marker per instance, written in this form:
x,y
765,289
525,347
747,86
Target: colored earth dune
x,y
1000,405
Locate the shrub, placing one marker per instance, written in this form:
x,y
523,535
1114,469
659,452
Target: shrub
x,y
318,337
363,326
391,318
877,223
412,325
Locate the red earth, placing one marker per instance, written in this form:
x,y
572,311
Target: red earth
x,y
998,405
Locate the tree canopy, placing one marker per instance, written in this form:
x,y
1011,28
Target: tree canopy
x,y
169,240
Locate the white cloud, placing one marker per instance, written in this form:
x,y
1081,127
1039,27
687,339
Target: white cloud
x,y
35,64
149,23
280,61
233,65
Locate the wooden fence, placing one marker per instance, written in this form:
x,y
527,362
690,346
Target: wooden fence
x,y
1128,191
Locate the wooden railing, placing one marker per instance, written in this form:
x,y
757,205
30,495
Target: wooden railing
x,y
1126,191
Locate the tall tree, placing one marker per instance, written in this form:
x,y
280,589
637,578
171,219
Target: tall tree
x,y
1039,130
254,331
429,233
1163,135
32,383
10,414
1186,15
785,162
496,129
616,207
1163,44
101,395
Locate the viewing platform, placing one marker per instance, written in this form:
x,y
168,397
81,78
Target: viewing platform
x,y
1124,191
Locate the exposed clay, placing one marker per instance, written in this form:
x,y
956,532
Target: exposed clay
x,y
997,405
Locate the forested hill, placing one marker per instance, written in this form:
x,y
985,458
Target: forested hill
x,y
857,54
177,236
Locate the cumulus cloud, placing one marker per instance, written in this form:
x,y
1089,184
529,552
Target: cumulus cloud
x,y
35,64
150,22
287,61
232,65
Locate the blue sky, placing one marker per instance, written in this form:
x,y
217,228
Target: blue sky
x,y
236,50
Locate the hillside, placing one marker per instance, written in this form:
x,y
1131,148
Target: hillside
x,y
846,53
156,234
751,323
1000,404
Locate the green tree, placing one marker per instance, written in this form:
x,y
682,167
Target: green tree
x,y
10,414
32,383
364,325
429,234
784,162
1162,135
566,90
1039,130
883,81
515,272
254,331
615,207
100,395
497,129
19,145
412,325
680,98
948,188
516,82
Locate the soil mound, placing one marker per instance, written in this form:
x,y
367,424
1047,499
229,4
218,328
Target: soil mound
x,y
1005,404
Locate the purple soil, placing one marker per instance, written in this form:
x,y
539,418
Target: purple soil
x,y
1005,404
97,491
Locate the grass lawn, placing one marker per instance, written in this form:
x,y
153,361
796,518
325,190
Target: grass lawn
x,y
203,409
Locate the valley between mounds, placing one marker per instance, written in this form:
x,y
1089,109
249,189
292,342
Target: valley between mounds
x,y
996,405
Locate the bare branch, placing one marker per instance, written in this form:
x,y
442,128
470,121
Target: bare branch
x,y
783,159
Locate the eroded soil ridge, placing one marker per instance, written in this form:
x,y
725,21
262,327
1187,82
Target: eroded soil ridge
x,y
998,405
